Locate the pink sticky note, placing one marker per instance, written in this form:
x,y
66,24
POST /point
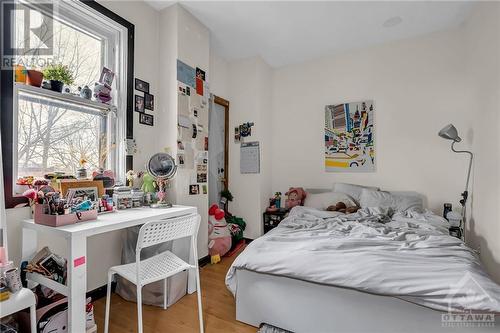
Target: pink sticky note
x,y
79,261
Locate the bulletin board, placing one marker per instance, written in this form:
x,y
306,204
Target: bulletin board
x,y
192,126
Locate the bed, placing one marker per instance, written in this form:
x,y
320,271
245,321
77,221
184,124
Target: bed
x,y
372,271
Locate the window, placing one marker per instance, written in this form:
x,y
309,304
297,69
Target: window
x,y
53,136
52,132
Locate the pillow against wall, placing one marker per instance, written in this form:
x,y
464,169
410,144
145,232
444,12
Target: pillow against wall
x,y
398,201
321,201
418,197
352,190
317,190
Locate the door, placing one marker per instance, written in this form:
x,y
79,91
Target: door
x,y
218,144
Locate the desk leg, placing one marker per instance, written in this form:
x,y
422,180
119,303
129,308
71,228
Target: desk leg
x,y
77,283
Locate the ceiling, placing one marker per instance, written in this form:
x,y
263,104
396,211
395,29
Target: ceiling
x,y
284,32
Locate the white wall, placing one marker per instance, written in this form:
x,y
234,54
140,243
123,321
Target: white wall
x,y
417,86
482,49
250,101
219,75
193,48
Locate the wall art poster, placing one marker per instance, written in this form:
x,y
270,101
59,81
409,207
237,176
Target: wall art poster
x,y
350,137
185,73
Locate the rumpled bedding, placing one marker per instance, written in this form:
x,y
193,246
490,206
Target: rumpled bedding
x,y
410,256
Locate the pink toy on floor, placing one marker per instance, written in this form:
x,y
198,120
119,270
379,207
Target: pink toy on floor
x,y
219,237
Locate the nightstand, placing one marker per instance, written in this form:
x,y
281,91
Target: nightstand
x,y
272,219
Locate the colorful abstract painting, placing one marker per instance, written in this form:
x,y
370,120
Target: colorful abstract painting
x,y
349,137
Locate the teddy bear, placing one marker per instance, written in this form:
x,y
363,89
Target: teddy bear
x,y
219,236
341,207
102,92
295,197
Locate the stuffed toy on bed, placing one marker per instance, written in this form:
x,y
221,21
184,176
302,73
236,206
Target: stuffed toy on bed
x,y
295,197
219,236
342,207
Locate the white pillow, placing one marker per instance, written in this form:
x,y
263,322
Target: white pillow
x,y
321,201
399,202
352,190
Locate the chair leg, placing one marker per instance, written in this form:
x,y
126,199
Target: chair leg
x,y
33,318
139,308
198,292
165,294
108,302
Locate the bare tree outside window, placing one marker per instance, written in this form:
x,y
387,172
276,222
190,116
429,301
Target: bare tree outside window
x,y
54,138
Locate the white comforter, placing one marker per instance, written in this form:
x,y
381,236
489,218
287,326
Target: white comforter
x,y
411,257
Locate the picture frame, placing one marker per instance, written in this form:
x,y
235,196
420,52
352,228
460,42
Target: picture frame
x,y
139,104
141,85
146,119
149,101
194,189
107,76
67,184
90,193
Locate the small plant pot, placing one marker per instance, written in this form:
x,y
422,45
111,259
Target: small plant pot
x,y
20,74
56,85
35,78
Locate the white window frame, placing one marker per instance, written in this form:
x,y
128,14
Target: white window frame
x,y
81,17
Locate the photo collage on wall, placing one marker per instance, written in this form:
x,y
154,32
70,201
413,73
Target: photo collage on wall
x,y
192,138
350,137
143,102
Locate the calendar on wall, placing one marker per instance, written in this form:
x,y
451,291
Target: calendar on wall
x,y
250,157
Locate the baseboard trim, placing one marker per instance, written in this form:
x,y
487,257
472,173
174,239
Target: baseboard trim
x,y
100,292
204,261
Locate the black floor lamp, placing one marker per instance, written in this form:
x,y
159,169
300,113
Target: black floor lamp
x,y
449,132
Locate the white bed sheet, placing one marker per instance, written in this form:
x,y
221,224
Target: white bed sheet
x,y
410,257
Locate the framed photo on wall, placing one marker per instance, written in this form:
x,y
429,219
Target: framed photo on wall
x,y
141,85
146,119
139,104
149,101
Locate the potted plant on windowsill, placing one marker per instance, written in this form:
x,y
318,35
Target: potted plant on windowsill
x,y
58,75
34,78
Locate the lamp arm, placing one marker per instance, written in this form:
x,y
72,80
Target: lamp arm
x,y
471,157
465,194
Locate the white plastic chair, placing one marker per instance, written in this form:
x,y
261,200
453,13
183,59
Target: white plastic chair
x,y
160,266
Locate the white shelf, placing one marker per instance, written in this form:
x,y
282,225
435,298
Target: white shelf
x,y
19,301
56,286
68,98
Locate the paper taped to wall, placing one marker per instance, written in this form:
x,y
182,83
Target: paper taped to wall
x,y
250,157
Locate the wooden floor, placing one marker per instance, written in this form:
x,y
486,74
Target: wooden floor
x,y
218,309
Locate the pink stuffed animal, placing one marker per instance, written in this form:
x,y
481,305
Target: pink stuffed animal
x,y
219,236
295,197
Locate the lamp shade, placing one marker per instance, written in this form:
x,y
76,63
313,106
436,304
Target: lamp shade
x,y
449,132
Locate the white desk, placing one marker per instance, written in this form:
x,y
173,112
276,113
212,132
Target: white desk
x,y
76,238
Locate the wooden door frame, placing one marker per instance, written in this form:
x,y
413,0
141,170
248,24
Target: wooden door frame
x,y
225,103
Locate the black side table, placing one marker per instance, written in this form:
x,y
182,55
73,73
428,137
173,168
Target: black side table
x,y
272,219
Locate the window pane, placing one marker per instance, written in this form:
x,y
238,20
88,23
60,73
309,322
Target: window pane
x,y
55,139
80,51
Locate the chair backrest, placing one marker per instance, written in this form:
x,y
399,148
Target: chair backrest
x,y
161,231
